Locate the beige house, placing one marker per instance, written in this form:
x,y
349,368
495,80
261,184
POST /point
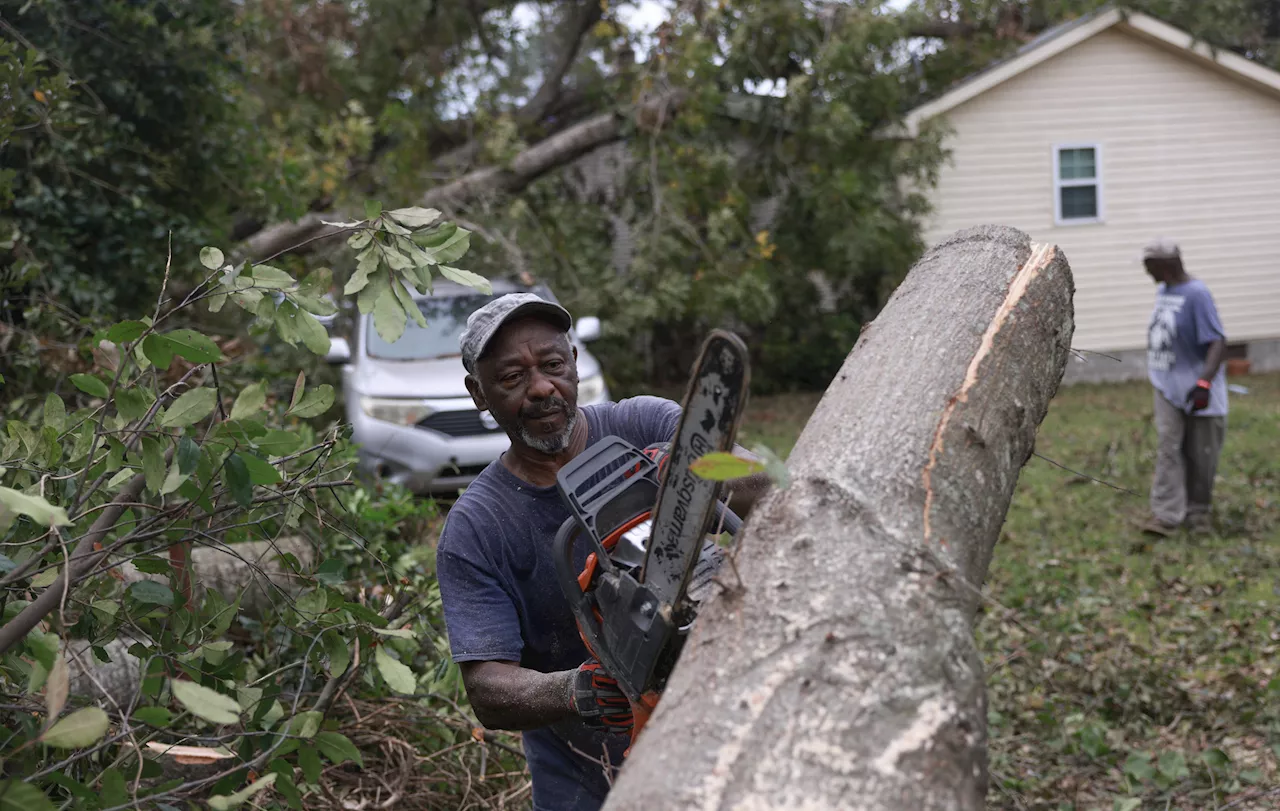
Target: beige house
x,y
1104,133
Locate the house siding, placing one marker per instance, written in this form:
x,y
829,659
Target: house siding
x,y
1186,152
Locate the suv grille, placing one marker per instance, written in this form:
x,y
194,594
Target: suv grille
x,y
456,423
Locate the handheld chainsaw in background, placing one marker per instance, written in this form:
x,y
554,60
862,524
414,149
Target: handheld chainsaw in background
x,y
646,516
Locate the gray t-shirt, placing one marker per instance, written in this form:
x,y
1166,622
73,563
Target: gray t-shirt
x,y
502,600
1183,324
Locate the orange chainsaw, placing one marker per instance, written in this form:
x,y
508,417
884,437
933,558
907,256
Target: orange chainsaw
x,y
646,518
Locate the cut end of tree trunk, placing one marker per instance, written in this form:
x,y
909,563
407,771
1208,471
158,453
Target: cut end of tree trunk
x,y
844,673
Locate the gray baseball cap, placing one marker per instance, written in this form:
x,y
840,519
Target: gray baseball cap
x,y
485,322
1161,248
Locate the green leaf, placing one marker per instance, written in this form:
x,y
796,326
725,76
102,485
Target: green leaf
x,y
173,480
389,317
415,216
407,303
45,578
309,762
372,209
1216,759
90,385
284,783
57,687
265,276
452,249
155,716
55,413
395,673
131,403
153,463
335,647
158,350
236,475
398,633
211,258
188,455
395,259
719,466
278,443
250,401
190,408
226,802
260,471
468,278
1127,804
313,334
367,264
193,346
126,331
314,305
81,728
299,386
360,240
1173,765
210,705
248,697
332,572
34,507
313,403
151,593
18,796
113,788
150,564
6,564
379,286
306,724
338,748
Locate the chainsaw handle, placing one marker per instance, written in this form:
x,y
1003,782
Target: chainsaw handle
x,y
567,575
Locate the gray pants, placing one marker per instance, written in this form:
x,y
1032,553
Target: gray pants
x,y
1186,462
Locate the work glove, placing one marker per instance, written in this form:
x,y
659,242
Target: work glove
x,y
1199,396
599,701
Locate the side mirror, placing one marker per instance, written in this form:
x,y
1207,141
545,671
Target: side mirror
x,y
339,352
588,328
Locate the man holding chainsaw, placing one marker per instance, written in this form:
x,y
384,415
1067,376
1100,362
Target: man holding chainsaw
x,y
510,628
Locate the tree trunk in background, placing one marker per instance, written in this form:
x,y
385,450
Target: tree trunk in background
x,y
844,673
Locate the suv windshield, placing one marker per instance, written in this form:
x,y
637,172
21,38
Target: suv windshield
x,y
446,318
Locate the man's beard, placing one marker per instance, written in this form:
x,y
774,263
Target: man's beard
x,y
555,443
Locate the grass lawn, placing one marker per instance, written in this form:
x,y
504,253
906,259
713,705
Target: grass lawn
x,y
1126,674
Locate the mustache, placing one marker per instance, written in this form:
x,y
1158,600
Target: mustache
x,y
547,407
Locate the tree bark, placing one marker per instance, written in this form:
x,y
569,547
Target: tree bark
x,y
842,672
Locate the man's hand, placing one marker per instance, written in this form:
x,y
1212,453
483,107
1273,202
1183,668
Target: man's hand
x,y
1199,396
598,699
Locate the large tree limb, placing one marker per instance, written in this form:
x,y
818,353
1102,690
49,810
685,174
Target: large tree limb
x,y
843,673
528,166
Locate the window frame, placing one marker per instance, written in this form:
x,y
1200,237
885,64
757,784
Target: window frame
x,y
1059,184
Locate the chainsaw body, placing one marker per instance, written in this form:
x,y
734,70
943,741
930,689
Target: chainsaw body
x,y
612,489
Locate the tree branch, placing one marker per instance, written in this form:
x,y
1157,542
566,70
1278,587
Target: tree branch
x,y
539,159
580,20
82,559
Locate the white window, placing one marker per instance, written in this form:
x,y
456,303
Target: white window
x,y
1077,184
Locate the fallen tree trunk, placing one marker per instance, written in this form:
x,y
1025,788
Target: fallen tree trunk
x,y
843,673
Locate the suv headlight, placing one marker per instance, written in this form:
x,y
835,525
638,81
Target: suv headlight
x,y
591,390
400,412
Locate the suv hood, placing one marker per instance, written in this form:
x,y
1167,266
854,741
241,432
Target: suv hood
x,y
437,378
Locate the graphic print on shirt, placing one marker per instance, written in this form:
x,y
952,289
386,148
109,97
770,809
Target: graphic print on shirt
x,y
1163,331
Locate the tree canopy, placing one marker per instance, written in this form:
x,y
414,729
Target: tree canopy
x,y
751,191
